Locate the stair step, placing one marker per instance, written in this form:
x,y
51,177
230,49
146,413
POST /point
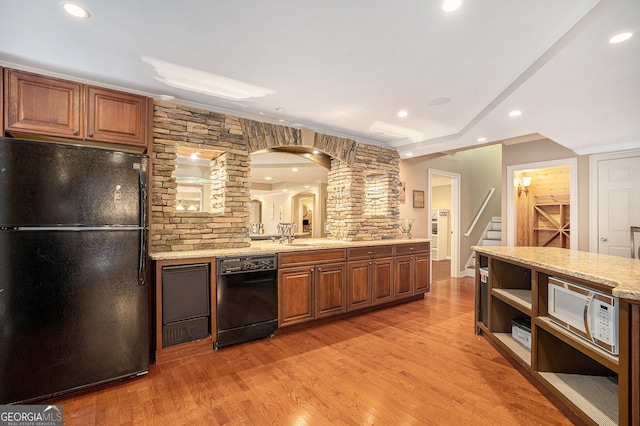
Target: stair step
x,y
496,226
491,242
494,235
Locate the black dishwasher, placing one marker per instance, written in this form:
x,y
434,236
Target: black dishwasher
x,y
247,298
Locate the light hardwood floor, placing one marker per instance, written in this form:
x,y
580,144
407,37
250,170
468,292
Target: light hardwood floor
x,y
413,364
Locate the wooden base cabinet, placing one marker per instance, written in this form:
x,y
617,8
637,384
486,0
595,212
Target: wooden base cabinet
x,y
295,295
42,105
311,285
411,270
321,283
590,382
330,289
370,276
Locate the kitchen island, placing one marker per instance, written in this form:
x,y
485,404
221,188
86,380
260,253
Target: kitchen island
x,y
319,280
600,387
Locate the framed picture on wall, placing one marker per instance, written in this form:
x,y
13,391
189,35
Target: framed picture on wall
x,y
418,199
403,192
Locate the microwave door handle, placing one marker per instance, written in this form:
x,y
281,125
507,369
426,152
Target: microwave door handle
x,y
587,310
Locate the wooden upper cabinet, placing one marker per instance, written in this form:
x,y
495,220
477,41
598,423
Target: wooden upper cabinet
x,y
42,105
116,116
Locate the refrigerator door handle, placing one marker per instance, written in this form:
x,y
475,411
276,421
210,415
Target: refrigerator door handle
x,y
142,260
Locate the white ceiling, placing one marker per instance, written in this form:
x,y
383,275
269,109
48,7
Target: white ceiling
x,y
346,68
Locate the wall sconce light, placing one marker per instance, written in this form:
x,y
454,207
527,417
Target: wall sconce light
x,y
524,187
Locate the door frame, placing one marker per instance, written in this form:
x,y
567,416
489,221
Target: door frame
x,y
573,194
454,219
594,195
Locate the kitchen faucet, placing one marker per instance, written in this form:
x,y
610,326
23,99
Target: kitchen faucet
x,y
286,232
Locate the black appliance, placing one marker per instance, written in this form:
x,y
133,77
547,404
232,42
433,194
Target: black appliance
x,y
247,298
73,249
185,303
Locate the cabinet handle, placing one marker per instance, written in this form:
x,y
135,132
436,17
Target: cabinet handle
x,y
319,269
76,133
90,134
369,253
411,249
311,270
375,263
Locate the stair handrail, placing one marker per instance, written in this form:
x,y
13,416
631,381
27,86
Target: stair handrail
x,y
482,207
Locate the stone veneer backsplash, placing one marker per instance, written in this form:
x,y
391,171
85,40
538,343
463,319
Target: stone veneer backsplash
x,y
363,188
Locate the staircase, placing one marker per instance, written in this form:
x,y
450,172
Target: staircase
x,y
492,236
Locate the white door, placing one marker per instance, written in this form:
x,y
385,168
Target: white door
x,y
618,204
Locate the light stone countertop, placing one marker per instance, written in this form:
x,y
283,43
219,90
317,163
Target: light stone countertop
x,y
266,246
620,273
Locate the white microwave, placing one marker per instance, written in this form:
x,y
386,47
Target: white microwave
x,y
590,314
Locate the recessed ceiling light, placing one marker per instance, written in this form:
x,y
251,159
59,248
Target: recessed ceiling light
x,y
482,139
315,152
75,10
295,169
515,113
194,155
268,178
439,101
619,38
451,5
281,120
409,154
402,114
307,186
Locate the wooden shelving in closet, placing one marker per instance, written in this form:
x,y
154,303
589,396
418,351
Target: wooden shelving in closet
x,y
551,222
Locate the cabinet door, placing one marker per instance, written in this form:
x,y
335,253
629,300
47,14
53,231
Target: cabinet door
x,y
1,101
295,295
330,290
359,285
382,281
421,273
403,277
116,116
42,105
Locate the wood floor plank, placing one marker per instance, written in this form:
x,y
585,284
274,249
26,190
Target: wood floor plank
x,y
414,364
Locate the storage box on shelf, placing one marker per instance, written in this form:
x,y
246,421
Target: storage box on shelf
x,y
585,378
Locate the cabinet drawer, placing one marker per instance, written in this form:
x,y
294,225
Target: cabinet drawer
x,y
369,252
310,257
402,249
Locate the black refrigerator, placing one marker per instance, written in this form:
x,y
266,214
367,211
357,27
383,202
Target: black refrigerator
x,y
73,254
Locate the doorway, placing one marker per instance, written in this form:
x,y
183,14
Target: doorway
x,y
614,183
515,180
444,201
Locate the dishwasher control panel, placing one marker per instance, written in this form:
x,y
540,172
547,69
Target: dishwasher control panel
x,y
246,263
